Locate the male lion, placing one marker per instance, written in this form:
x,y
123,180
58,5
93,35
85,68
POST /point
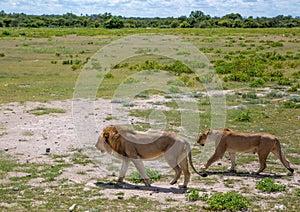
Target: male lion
x,y
232,142
135,147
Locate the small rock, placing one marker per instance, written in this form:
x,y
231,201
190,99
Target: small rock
x,y
280,207
72,207
6,149
48,150
120,197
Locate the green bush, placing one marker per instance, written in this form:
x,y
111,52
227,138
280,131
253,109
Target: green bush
x,y
268,185
136,178
291,104
298,192
108,76
244,116
174,90
257,83
6,33
284,81
193,195
229,201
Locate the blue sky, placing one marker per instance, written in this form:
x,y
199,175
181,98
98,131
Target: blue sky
x,y
154,8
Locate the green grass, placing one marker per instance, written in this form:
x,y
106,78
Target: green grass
x,y
193,195
43,111
43,65
268,185
152,174
230,201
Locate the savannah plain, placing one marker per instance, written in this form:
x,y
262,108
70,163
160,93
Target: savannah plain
x,y
260,73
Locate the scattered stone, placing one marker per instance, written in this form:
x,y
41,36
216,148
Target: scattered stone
x,y
48,150
280,207
120,197
6,149
15,189
72,208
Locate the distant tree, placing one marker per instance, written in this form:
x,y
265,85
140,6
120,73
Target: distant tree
x,y
182,18
184,24
114,23
175,24
225,23
250,23
233,16
196,17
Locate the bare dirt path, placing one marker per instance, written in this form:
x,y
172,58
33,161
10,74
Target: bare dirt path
x,y
27,136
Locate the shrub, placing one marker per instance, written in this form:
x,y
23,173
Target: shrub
x,y
284,81
108,76
136,178
244,116
274,94
257,83
291,104
67,62
249,95
2,54
178,68
193,195
276,44
6,33
298,192
229,201
268,185
174,90
295,98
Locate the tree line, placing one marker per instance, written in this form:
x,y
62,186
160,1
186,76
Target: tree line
x,y
196,19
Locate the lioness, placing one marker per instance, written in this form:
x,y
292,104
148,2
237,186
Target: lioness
x,y
232,142
135,147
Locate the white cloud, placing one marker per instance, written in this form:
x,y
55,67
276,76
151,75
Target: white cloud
x,y
152,8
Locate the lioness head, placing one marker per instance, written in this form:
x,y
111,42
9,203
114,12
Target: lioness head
x,y
106,138
203,136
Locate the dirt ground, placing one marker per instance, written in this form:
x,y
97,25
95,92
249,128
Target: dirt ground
x,y
27,136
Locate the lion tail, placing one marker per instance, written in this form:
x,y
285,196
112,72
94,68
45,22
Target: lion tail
x,y
282,158
203,174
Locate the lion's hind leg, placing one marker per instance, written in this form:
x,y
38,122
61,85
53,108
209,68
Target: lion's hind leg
x,y
233,163
262,157
172,161
185,168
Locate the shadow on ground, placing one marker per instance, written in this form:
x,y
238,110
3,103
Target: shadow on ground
x,y
246,174
127,186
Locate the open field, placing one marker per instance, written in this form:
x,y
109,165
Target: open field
x,y
260,73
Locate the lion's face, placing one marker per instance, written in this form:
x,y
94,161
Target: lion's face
x,y
103,140
203,137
